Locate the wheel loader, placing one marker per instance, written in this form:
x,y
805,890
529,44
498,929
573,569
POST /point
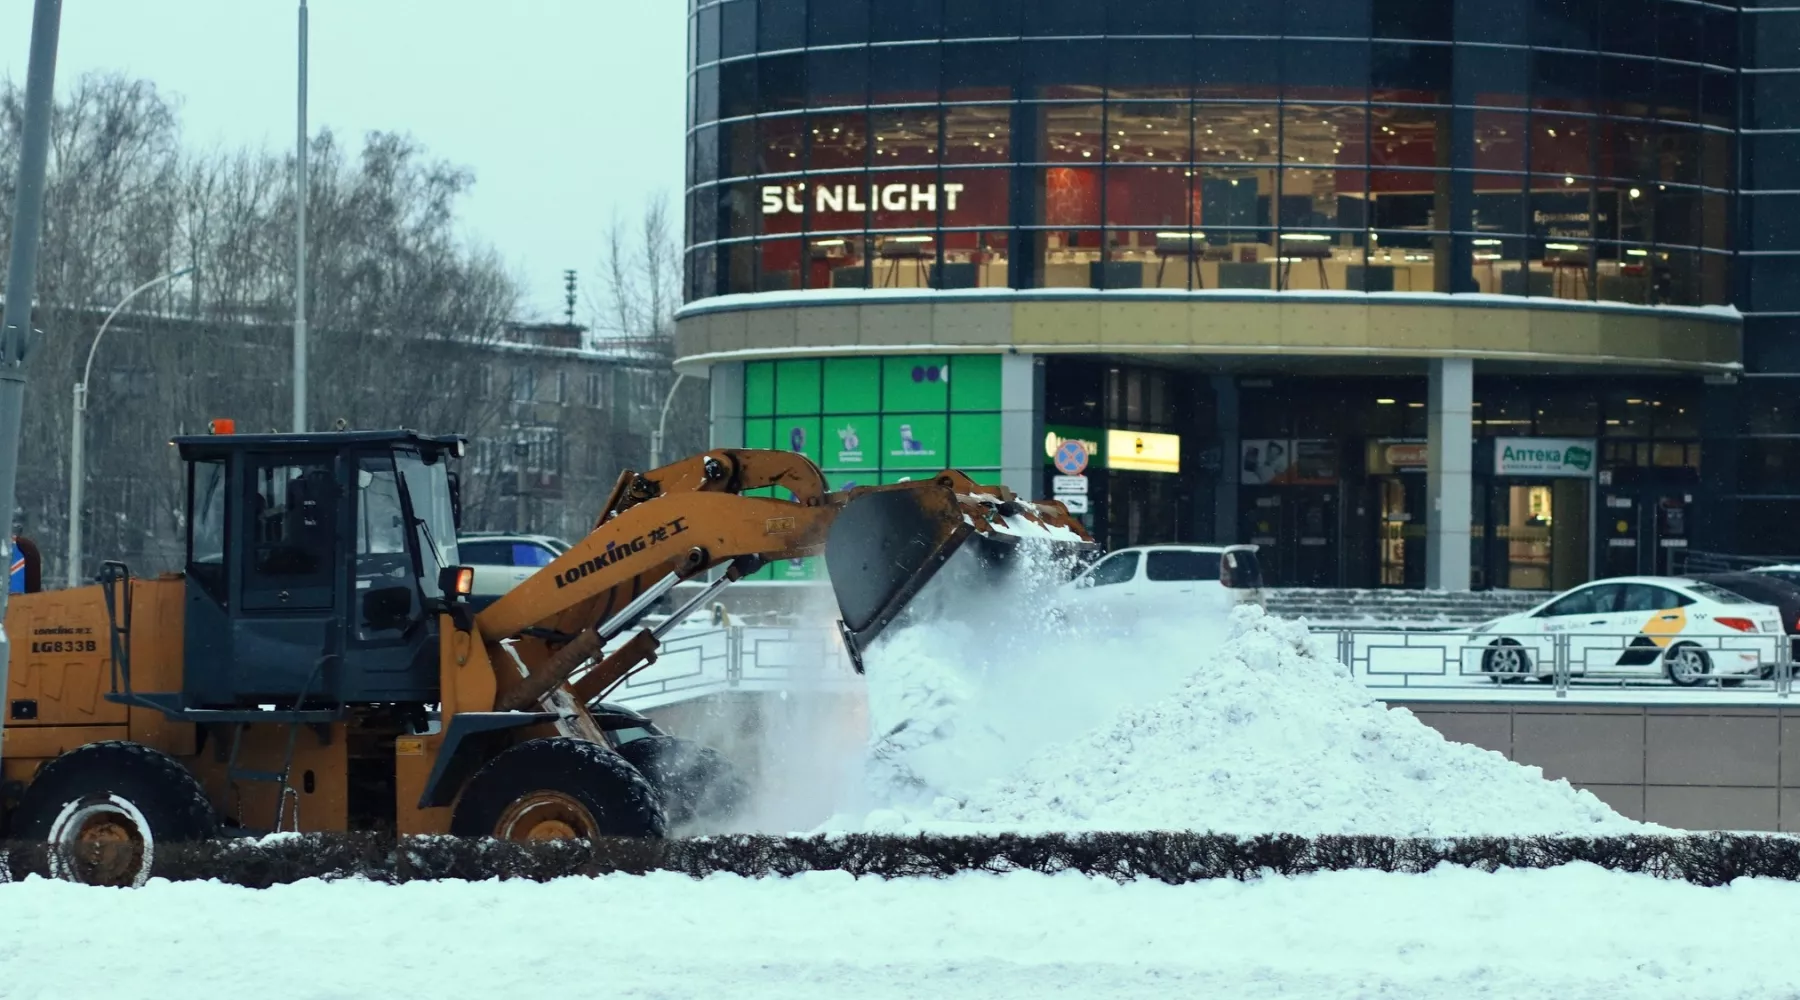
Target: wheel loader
x,y
316,666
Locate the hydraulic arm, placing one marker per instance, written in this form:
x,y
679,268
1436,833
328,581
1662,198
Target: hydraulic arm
x,y
678,523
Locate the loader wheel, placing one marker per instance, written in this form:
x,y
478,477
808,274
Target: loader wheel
x,y
558,789
695,781
102,810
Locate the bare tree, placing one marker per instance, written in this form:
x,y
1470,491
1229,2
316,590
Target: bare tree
x,y
402,306
640,289
640,284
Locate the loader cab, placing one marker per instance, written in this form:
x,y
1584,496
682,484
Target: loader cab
x,y
312,567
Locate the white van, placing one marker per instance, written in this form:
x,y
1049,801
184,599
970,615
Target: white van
x,y
1152,580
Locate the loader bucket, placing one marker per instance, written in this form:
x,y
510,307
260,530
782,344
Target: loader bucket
x,y
888,542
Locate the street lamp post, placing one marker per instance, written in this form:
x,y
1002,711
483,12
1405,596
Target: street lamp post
x,y
656,437
77,473
300,192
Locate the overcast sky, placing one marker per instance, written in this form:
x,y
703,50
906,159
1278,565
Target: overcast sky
x,y
567,110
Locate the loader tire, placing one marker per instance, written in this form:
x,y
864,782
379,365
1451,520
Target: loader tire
x,y
559,788
102,810
695,781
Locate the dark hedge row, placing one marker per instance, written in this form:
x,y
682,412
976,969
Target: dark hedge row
x,y
1704,859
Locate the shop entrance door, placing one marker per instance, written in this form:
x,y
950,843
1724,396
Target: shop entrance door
x,y
1621,524
1539,533
1297,530
1645,531
1671,527
1314,529
1400,508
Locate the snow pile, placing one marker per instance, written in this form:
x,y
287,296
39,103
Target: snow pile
x,y
1573,931
1245,726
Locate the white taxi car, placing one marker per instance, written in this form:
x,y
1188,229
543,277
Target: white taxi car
x,y
1678,628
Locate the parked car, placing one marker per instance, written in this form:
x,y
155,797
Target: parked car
x,y
1149,580
501,561
1681,628
1782,591
1784,571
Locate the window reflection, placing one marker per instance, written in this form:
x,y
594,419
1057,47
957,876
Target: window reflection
x,y
1236,133
839,141
904,137
1198,158
1071,133
1148,133
978,134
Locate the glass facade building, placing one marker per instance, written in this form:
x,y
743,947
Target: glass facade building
x,y
1577,149
1288,234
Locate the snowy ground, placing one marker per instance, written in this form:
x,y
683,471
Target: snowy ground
x,y
1246,726
1576,931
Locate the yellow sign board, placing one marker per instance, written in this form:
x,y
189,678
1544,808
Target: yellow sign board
x,y
1142,451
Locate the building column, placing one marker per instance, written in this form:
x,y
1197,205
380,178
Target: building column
x,y
1449,479
1022,424
1225,490
726,429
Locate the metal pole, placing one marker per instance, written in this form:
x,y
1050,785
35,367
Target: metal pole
x,y
300,191
656,437
78,424
21,274
77,480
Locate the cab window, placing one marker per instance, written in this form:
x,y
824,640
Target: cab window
x,y
386,579
1718,595
1180,564
206,525
1644,597
1587,601
486,553
1116,568
501,553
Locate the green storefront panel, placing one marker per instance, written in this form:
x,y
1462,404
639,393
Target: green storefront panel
x,y
904,477
759,389
975,440
795,570
799,434
852,385
976,385
914,441
914,383
759,432
851,441
796,387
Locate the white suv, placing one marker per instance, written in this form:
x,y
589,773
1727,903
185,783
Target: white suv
x,y
502,561
1154,580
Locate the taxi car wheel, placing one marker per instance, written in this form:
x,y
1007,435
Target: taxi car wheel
x,y
1506,661
1687,665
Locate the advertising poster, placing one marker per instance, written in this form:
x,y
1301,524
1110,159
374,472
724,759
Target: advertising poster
x,y
851,441
914,441
1264,460
1315,463
1287,462
799,434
